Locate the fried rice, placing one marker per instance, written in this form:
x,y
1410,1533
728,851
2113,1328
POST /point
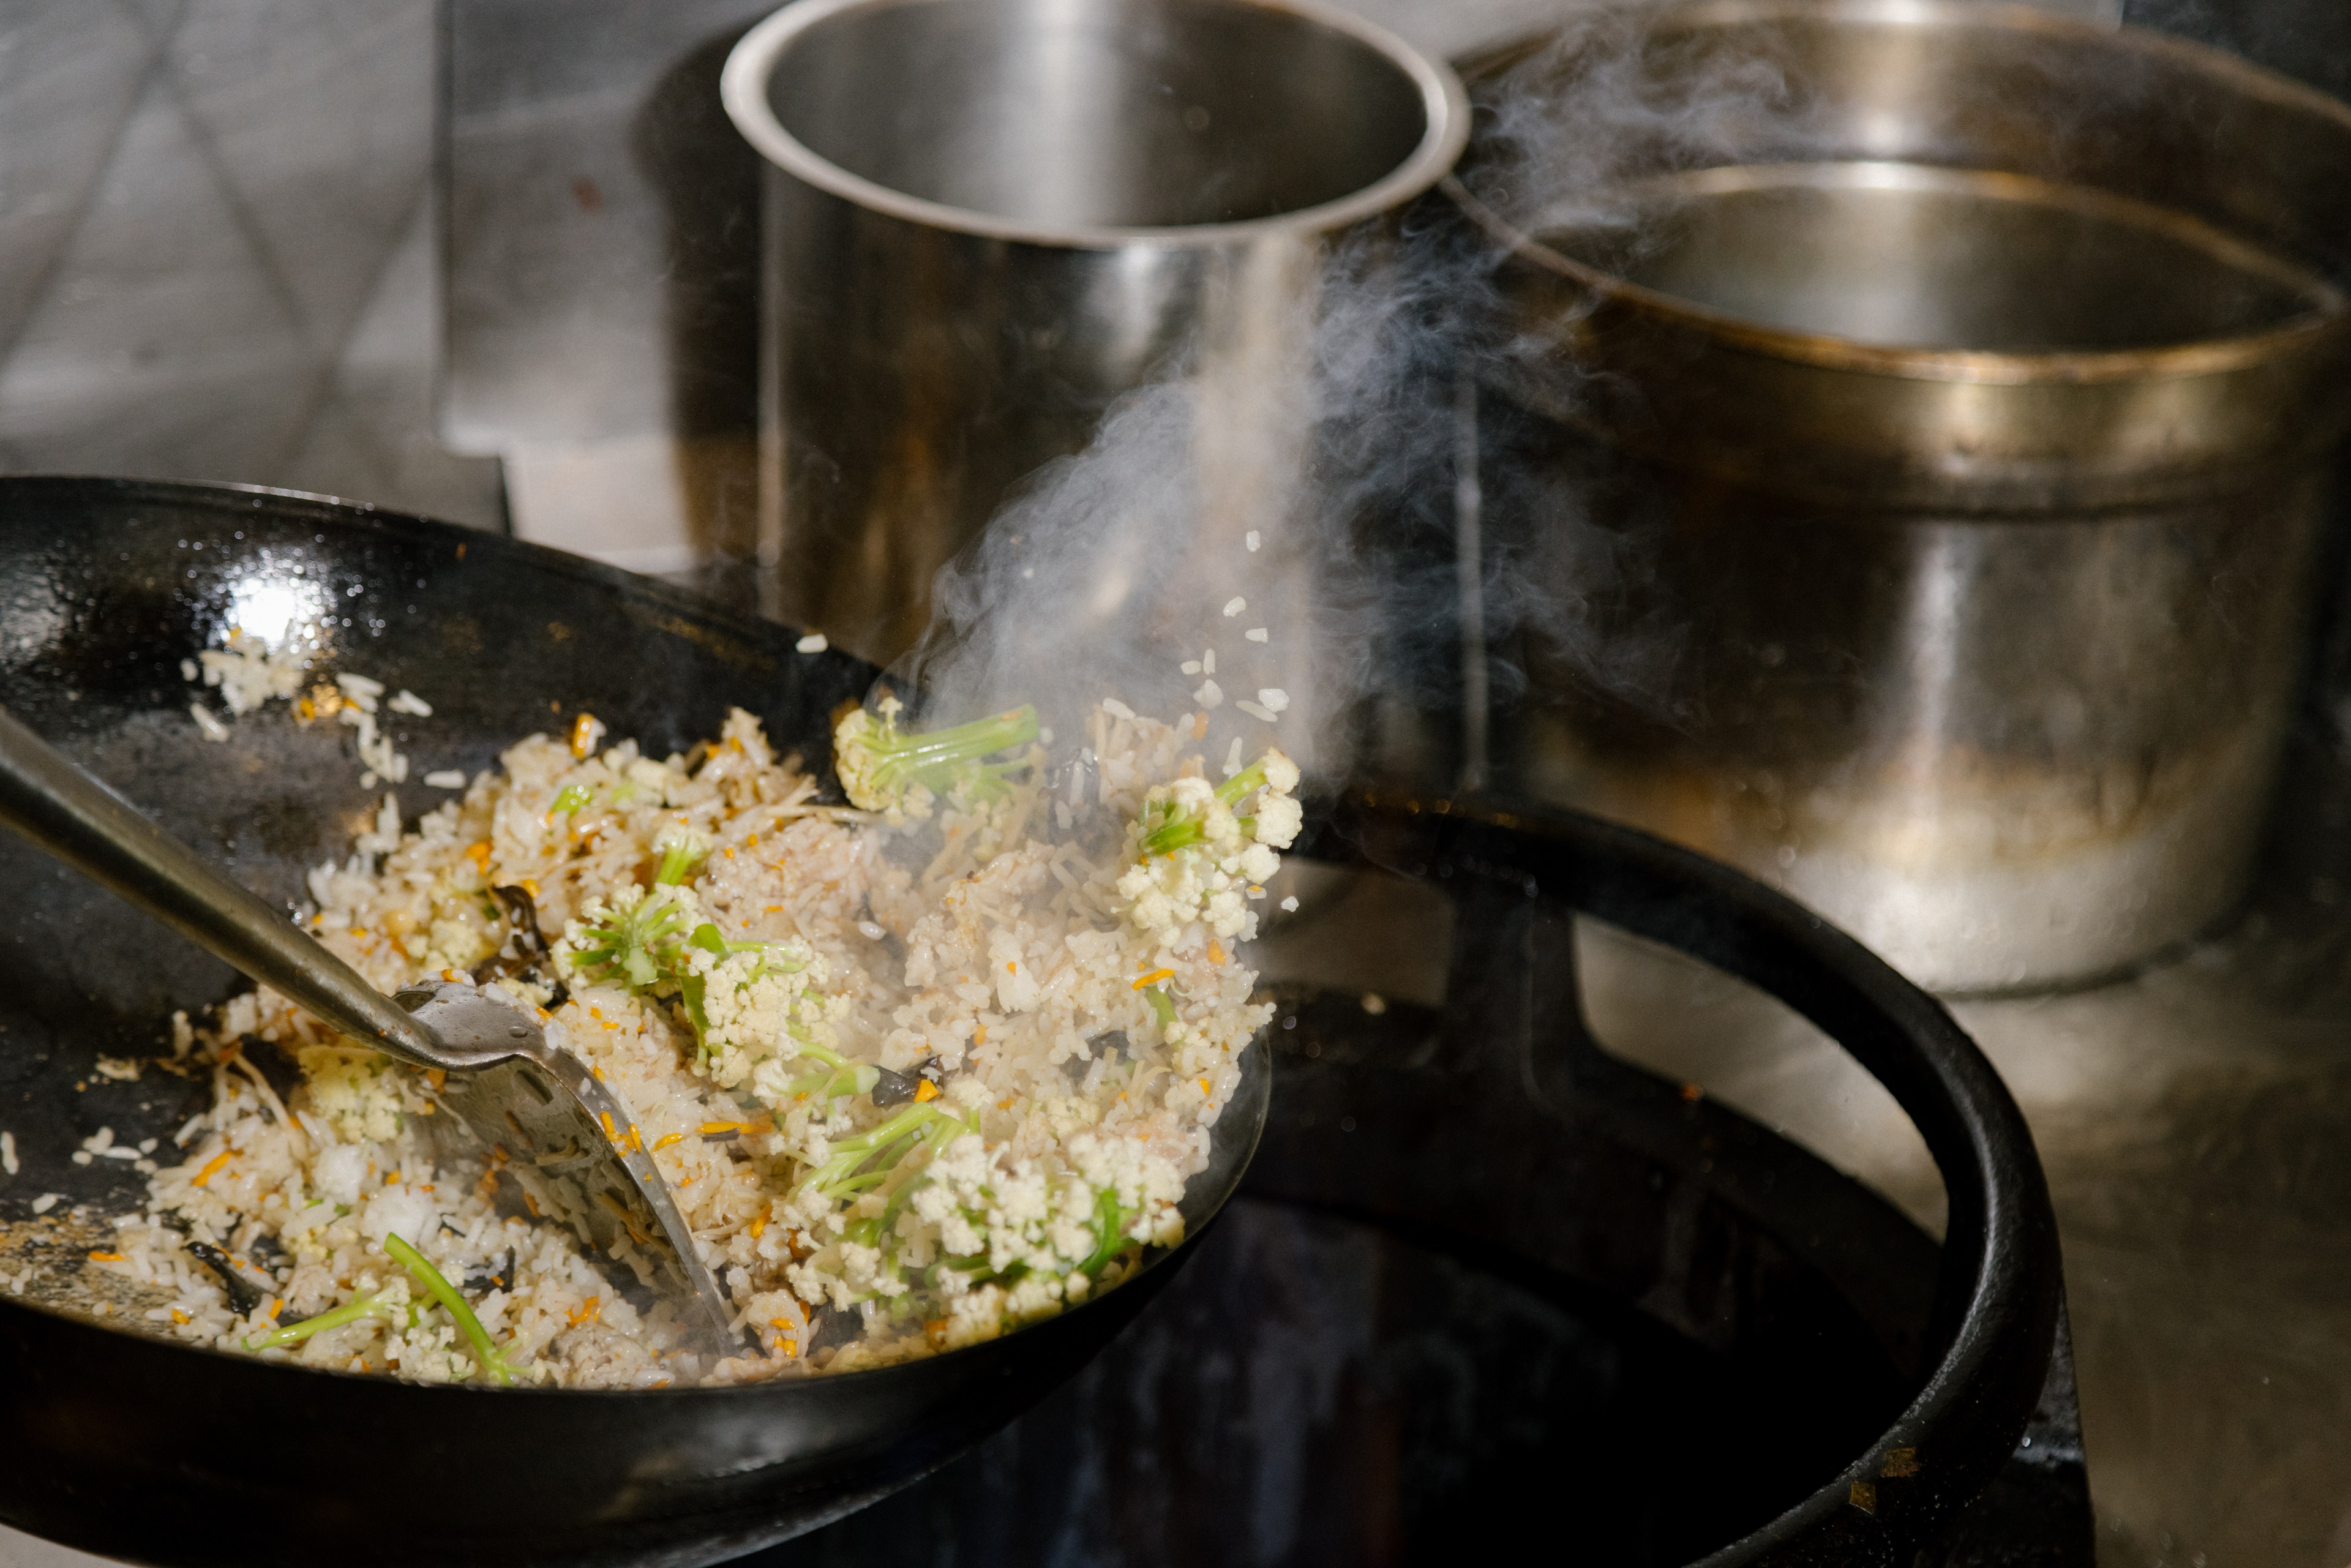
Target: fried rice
x,y
915,1075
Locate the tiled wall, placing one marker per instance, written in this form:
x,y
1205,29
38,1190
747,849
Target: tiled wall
x,y
216,257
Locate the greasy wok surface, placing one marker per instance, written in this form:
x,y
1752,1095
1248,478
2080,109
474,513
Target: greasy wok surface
x,y
153,1451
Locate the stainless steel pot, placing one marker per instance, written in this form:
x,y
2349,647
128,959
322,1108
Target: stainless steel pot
x,y
1918,422
988,219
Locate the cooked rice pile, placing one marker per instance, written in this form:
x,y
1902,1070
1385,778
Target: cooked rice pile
x,y
912,1081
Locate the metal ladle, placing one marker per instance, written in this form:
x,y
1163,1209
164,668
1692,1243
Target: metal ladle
x,y
570,1138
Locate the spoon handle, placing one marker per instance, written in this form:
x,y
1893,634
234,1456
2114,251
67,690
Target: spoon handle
x,y
91,827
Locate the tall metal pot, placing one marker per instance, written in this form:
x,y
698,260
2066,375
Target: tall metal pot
x,y
1917,423
987,220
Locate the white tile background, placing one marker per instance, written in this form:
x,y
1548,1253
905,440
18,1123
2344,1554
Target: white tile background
x,y
215,253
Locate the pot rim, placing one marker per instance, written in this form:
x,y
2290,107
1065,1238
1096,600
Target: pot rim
x,y
2220,354
1445,111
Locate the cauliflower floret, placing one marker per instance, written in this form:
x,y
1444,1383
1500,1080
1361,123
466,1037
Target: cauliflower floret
x,y
354,1092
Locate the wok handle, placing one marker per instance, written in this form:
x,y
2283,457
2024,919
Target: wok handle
x,y
76,818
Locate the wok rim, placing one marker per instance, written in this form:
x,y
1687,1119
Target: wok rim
x,y
2309,333
2013,1287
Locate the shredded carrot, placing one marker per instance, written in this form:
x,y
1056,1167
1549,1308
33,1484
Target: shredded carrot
x,y
532,1204
277,1305
1005,1103
709,1127
530,887
583,734
1216,951
106,1257
1204,1086
1154,977
479,853
1011,967
667,1139
773,909
212,1169
979,1035
391,1179
926,1089
587,1312
636,1139
180,1317
438,1079
791,1346
611,1133
758,1223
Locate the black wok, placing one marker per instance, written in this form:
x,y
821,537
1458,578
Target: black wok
x,y
150,1450
145,1449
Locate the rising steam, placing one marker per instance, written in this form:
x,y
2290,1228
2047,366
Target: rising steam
x,y
1341,439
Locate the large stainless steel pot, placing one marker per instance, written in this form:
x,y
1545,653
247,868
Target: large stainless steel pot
x,y
1920,423
988,219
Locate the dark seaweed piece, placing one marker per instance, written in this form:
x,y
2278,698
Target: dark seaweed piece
x,y
244,1295
267,1251
830,1329
275,1062
498,1279
888,941
530,960
1111,1041
897,1088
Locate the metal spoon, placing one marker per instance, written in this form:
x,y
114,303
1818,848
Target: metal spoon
x,y
570,1137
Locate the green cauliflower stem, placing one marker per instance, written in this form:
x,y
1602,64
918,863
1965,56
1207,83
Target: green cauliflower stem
x,y
884,768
